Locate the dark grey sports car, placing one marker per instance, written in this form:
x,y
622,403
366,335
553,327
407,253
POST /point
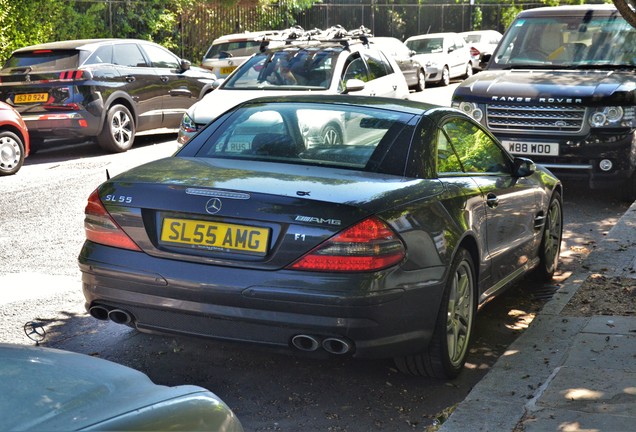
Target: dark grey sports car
x,y
381,245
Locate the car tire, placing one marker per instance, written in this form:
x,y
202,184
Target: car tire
x,y
550,239
118,133
421,80
446,354
445,80
331,135
11,153
469,70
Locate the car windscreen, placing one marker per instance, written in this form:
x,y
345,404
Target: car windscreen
x,y
287,69
574,41
426,46
43,60
342,136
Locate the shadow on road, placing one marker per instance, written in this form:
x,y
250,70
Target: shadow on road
x,y
64,150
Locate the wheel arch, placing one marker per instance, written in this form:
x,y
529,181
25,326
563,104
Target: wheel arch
x,y
469,242
119,98
8,127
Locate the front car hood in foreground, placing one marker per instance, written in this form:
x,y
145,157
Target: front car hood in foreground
x,y
48,389
548,86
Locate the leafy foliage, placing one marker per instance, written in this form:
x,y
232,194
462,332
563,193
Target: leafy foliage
x,y
36,21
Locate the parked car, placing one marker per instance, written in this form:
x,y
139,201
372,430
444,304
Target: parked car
x,y
54,390
228,52
107,89
480,43
382,245
14,140
414,71
561,88
333,61
445,56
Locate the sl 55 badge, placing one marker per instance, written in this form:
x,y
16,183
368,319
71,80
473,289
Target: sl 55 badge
x,y
119,199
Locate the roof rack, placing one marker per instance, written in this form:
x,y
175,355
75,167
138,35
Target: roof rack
x,y
335,33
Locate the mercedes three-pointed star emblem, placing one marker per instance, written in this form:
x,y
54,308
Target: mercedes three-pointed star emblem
x,y
213,206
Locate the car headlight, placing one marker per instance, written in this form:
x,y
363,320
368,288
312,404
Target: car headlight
x,y
187,124
470,108
612,116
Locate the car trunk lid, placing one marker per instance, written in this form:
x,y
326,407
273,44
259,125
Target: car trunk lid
x,y
267,216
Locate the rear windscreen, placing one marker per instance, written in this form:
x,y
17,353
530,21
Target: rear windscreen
x,y
311,134
43,60
233,49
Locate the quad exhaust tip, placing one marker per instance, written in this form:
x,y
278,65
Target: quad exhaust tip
x,y
99,312
120,316
333,345
105,313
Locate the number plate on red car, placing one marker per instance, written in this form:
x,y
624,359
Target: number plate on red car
x,y
215,236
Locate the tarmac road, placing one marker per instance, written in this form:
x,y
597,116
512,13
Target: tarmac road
x,y
41,232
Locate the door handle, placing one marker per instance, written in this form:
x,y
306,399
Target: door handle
x,y
492,200
130,78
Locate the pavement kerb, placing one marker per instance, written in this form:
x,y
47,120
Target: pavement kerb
x,y
528,383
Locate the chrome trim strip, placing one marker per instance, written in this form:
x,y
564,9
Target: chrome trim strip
x,y
565,166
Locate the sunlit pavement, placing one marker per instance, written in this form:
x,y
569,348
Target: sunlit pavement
x,y
566,371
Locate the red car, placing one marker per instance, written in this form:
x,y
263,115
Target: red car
x,y
14,140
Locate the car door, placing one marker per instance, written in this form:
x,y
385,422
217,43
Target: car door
x,y
356,68
509,203
459,56
178,91
384,79
141,83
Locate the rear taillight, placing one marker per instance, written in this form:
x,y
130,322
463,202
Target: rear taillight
x,y
77,74
101,228
367,246
474,52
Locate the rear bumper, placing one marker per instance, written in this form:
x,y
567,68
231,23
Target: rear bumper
x,y
381,315
62,124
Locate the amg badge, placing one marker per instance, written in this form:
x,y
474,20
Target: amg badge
x,y
318,220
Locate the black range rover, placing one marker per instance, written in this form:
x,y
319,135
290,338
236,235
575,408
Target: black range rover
x,y
108,89
561,89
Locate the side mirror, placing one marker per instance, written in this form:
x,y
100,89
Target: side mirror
x,y
524,167
485,58
353,85
217,83
451,49
185,65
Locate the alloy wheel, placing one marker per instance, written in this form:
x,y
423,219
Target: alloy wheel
x,y
460,313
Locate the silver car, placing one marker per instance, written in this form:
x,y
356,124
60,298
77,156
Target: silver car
x,y
480,43
445,56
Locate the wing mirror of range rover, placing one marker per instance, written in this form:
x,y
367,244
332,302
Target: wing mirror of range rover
x,y
524,167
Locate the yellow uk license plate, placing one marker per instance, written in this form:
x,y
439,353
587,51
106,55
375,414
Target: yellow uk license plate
x,y
215,236
31,98
227,70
